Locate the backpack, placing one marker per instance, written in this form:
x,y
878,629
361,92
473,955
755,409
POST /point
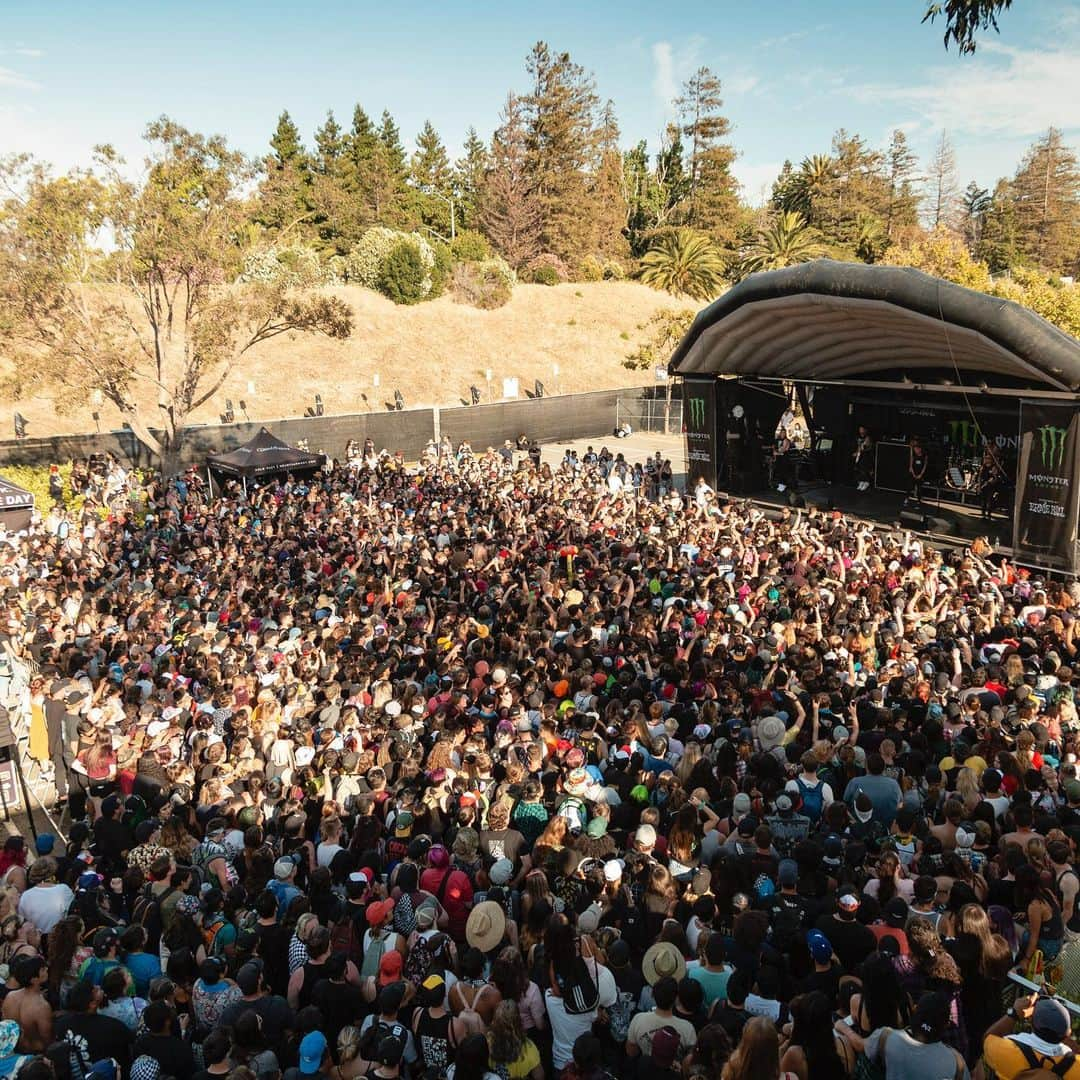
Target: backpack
x,y
813,802
348,938
418,966
1042,1066
580,992
575,812
620,1014
146,912
786,919
373,954
210,936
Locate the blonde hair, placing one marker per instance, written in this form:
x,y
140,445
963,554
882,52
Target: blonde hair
x,y
348,1044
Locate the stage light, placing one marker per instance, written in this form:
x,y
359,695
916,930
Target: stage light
x,y
96,416
230,416
538,388
318,405
20,426
474,394
399,401
243,408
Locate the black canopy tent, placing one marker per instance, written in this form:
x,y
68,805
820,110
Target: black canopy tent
x,y
907,355
264,455
16,506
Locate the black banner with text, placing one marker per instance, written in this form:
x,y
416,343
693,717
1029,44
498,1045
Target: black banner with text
x,y
699,418
1044,525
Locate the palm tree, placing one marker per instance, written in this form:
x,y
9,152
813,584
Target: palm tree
x,y
686,263
812,182
785,241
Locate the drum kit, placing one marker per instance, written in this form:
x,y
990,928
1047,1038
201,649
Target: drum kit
x,y
965,474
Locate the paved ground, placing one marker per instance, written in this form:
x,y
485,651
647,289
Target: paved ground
x,y
637,447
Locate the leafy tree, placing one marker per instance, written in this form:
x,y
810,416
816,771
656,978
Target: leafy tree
x,y
286,141
510,212
713,199
965,18
1046,191
686,263
468,178
608,193
172,321
654,195
562,144
855,185
785,241
942,198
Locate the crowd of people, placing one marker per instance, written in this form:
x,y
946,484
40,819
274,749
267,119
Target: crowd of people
x,y
487,768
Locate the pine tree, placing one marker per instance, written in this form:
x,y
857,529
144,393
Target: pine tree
x,y
713,199
430,165
330,143
856,189
510,212
561,141
286,141
974,205
390,137
997,246
903,205
1047,196
468,178
609,199
941,186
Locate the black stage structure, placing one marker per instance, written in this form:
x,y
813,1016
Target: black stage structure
x,y
986,390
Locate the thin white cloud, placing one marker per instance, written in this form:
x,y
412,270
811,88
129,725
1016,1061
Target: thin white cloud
x,y
664,83
1002,92
741,84
12,80
22,50
789,39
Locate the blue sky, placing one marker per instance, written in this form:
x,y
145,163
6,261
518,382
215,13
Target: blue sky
x,y
73,74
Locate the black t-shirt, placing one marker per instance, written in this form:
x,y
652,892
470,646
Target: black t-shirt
x,y
277,1017
273,950
96,1036
170,1052
851,941
112,838
341,1005
828,982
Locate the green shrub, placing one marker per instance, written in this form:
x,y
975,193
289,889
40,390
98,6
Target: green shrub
x,y
591,269
470,246
485,285
403,277
571,322
614,271
293,265
364,265
440,272
537,269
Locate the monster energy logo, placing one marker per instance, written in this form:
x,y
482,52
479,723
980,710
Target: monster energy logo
x,y
964,433
697,412
1052,446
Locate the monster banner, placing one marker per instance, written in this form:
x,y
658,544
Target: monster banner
x,y
1045,519
699,417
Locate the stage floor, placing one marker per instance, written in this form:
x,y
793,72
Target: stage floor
x,y
944,519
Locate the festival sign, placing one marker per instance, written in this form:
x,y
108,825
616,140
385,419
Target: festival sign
x,y
699,416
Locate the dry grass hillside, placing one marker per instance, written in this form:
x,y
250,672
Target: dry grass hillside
x,y
431,352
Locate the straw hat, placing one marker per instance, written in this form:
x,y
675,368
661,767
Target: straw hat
x,y
486,926
662,960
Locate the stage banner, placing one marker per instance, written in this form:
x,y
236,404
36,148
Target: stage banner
x,y
1045,517
699,418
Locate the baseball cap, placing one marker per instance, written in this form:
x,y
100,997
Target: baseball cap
x,y
502,870
741,803
45,843
283,868
247,978
1050,1020
849,902
665,1046
645,836
896,912
312,1049
390,967
788,873
820,947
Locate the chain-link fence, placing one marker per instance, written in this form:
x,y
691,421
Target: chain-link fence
x,y
650,414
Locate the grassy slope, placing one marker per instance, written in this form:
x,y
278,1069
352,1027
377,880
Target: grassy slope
x,y
431,352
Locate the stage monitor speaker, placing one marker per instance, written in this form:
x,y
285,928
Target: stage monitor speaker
x,y
891,461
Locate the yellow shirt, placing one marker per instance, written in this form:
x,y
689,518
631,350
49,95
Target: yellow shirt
x,y
1007,1060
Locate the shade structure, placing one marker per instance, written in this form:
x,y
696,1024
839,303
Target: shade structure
x,y
264,455
827,320
16,506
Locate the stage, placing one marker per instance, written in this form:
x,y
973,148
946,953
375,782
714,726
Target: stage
x,y
944,520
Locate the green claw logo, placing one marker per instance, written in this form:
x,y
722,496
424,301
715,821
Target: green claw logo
x,y
1052,446
964,433
697,412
